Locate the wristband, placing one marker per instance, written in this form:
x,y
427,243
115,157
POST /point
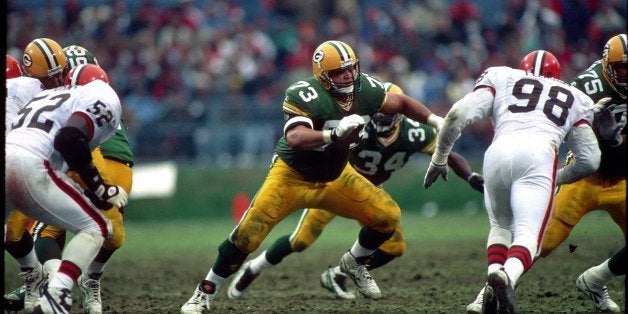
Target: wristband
x,y
435,121
327,134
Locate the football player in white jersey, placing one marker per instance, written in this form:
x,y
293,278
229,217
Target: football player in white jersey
x,y
45,61
532,112
55,132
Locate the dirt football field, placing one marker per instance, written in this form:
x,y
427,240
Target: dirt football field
x,y
442,270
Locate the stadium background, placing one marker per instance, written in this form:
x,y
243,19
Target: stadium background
x,y
202,82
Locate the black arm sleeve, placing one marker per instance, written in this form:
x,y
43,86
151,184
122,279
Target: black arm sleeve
x,y
73,146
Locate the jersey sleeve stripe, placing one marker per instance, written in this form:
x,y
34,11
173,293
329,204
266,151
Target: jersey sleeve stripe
x,y
581,122
298,120
490,88
293,110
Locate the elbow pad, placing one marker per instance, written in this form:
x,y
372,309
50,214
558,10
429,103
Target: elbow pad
x,y
73,146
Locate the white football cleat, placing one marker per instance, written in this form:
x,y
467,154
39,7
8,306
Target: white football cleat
x,y
475,307
599,295
55,300
90,289
34,282
51,266
242,279
360,276
201,299
334,281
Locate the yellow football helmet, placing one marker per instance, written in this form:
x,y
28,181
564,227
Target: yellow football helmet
x,y
615,63
44,59
329,58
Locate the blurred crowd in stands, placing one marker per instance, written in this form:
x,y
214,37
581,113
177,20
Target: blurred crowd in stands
x,y
203,81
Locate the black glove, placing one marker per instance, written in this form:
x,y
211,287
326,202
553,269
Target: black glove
x,y
608,128
100,204
476,181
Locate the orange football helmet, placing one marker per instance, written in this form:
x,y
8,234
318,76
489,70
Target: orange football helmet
x,y
541,63
14,69
84,74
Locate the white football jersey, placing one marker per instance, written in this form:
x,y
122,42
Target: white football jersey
x,y
534,106
20,90
48,111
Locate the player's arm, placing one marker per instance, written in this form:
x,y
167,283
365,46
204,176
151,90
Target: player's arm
x,y
411,108
462,168
72,142
583,143
300,133
472,107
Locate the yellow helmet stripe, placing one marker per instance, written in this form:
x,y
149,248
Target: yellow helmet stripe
x,y
46,50
342,51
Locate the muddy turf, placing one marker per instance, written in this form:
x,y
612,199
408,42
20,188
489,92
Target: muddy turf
x,y
441,272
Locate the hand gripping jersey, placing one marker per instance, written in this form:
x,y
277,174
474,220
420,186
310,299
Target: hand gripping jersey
x,y
38,123
20,90
533,106
377,158
593,83
308,99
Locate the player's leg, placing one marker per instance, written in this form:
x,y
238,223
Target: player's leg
x,y
497,183
613,199
309,228
593,281
531,201
19,243
353,196
391,249
571,203
119,174
280,195
63,204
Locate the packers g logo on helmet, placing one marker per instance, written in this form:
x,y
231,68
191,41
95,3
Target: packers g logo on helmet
x,y
43,57
615,63
334,55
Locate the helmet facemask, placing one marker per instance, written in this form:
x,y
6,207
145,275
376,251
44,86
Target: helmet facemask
x,y
384,123
617,74
343,91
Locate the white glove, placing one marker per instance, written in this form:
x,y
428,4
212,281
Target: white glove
x,y
112,194
346,125
433,171
600,104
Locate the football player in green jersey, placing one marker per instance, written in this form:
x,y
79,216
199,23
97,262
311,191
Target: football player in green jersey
x,y
391,139
606,82
325,115
114,159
